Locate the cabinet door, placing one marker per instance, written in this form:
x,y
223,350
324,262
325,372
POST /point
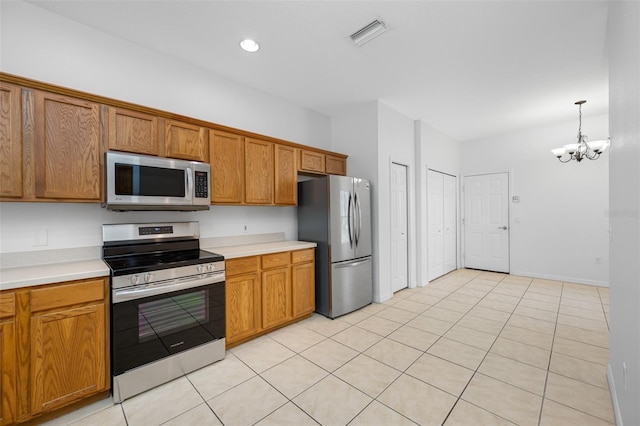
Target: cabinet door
x,y
286,177
7,373
67,147
276,296
10,141
303,289
242,306
227,167
312,161
335,165
67,356
258,175
185,141
133,131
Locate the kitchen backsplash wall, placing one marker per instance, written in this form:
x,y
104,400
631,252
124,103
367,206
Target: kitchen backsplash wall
x,y
47,226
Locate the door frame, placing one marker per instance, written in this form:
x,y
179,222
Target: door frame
x,y
408,221
463,214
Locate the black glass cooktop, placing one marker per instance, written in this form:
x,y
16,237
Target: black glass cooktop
x,y
132,259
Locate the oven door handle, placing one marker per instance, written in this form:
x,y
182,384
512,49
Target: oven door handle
x,y
132,293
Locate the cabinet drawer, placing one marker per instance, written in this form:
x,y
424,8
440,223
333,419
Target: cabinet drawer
x,y
67,295
302,256
7,305
275,260
241,265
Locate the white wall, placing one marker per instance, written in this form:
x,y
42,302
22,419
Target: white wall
x,y
377,135
395,144
624,109
354,132
43,46
70,225
560,224
437,151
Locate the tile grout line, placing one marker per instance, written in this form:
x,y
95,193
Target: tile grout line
x,y
553,342
485,356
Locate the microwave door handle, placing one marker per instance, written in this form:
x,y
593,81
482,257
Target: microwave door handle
x,y
189,191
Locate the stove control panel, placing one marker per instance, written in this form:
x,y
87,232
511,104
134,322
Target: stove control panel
x,y
183,272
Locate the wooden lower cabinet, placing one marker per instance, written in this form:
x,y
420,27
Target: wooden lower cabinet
x,y
276,296
67,356
242,306
303,289
59,347
7,359
266,292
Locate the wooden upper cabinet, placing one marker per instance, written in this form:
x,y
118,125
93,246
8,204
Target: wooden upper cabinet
x,y
286,176
335,165
311,161
133,131
66,147
10,141
258,172
185,141
226,156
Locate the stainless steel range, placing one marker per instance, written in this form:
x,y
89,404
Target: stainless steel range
x,y
168,304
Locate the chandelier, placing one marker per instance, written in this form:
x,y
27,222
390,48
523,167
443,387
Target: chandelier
x,y
582,149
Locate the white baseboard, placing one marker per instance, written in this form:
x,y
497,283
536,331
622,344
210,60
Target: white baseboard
x,y
561,278
614,396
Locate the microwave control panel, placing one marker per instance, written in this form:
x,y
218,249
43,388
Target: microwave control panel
x,y
202,184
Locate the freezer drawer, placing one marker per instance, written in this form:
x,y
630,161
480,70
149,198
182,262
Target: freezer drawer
x,y
351,286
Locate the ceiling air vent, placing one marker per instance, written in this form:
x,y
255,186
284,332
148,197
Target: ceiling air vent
x,y
368,32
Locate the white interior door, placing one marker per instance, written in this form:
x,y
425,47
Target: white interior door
x,y
449,223
486,222
399,264
435,219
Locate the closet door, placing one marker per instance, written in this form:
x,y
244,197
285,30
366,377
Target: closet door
x,y
442,220
435,211
449,223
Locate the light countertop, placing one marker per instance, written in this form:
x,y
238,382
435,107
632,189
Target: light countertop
x,y
230,252
25,276
39,274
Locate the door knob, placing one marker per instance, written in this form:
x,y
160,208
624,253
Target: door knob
x,y
502,227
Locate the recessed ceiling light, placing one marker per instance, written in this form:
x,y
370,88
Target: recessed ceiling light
x,y
249,45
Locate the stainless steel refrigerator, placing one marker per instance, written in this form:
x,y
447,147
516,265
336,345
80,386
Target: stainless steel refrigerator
x,y
335,213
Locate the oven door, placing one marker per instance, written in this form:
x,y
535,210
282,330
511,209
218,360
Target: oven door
x,y
153,322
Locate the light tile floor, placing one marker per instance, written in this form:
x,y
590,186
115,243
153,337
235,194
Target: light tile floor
x,y
471,348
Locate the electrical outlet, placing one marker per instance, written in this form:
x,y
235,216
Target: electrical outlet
x,y
40,238
246,228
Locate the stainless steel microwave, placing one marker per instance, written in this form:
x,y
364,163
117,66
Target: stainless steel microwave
x,y
142,182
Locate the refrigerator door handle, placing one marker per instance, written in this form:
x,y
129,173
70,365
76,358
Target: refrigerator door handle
x,y
349,218
359,218
352,264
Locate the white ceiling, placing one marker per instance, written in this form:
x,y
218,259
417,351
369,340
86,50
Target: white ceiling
x,y
471,69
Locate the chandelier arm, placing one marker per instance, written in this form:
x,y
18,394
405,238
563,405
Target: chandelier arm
x,y
596,155
567,160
